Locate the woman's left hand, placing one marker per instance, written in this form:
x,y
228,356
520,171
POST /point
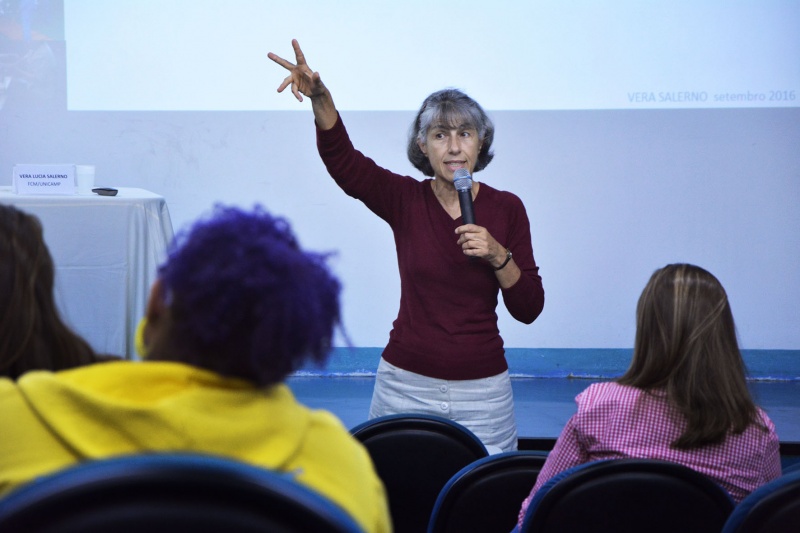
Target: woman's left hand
x,y
476,241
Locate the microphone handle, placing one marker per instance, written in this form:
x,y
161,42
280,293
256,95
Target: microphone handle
x,y
465,199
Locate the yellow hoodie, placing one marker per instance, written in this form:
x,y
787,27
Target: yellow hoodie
x,y
52,420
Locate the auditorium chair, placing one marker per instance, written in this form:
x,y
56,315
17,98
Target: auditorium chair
x,y
486,494
168,493
773,508
415,455
628,496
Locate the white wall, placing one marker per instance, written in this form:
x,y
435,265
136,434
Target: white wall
x,y
611,195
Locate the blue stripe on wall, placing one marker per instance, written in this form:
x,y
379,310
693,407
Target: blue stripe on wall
x,y
590,363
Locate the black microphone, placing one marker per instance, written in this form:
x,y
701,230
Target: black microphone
x,y
463,184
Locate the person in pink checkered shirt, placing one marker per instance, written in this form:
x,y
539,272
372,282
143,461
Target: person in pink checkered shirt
x,y
684,397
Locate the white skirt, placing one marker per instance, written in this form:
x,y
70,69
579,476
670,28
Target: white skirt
x,y
485,406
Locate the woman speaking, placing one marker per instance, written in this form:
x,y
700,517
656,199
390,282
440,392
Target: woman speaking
x,y
445,355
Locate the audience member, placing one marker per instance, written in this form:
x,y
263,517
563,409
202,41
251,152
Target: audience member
x,y
684,397
236,308
32,333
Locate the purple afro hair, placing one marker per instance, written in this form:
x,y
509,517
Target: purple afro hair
x,y
245,300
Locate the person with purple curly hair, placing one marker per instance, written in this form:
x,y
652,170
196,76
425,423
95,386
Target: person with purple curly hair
x,y
236,308
238,296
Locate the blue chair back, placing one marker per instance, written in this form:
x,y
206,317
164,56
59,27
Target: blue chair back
x,y
773,507
169,492
792,467
628,496
415,455
486,495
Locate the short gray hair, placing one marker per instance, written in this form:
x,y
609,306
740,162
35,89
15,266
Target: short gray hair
x,y
453,108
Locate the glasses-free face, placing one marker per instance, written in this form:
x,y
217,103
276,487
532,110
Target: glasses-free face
x,y
450,148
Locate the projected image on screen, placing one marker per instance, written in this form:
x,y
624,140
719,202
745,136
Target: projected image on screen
x,y
32,55
387,55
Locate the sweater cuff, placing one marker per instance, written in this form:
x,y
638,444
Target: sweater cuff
x,y
335,130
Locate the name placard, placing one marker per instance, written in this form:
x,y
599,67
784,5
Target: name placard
x,y
44,179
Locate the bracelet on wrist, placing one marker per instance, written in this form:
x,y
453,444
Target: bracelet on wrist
x,y
508,258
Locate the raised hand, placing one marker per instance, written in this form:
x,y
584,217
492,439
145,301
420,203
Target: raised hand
x,y
302,79
306,82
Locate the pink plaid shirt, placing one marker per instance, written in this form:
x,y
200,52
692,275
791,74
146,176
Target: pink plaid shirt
x,y
615,421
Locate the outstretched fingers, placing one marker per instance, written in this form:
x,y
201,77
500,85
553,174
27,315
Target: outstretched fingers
x,y
288,80
288,65
303,80
281,61
298,53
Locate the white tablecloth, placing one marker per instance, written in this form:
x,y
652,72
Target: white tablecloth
x,y
106,250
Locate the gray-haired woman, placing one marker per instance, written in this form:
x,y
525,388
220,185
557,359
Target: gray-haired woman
x,y
445,355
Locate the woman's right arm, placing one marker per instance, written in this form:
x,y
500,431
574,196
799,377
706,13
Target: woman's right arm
x,y
359,176
306,82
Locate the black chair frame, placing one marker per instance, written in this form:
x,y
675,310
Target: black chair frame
x,y
415,455
628,496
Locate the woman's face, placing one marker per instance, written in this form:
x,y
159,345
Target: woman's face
x,y
449,148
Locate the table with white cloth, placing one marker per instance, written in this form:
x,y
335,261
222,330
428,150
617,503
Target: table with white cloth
x,y
106,250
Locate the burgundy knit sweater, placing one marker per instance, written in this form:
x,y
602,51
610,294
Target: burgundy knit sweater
x,y
446,327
